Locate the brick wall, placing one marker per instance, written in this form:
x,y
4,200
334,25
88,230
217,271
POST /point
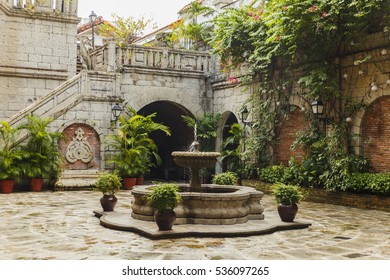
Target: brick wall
x,y
282,150
376,134
93,140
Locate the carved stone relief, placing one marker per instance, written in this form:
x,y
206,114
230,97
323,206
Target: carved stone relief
x,y
79,149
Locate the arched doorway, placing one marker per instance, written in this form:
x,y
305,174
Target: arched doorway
x,y
169,114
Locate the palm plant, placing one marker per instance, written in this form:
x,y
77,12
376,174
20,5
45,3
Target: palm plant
x,y
10,152
137,152
232,149
43,159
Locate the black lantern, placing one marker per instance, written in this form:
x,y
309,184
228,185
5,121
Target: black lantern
x,y
317,108
92,19
116,112
244,115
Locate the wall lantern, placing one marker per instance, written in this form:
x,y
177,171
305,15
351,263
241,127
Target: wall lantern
x,y
244,116
92,19
116,112
317,108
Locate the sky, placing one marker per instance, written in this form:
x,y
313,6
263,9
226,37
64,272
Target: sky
x,y
163,12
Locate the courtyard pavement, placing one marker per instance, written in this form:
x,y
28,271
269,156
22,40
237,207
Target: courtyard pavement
x,y
62,226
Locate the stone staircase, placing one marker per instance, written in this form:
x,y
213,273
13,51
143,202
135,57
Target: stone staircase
x,y
77,180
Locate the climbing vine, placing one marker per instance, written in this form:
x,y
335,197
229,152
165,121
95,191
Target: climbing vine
x,y
295,48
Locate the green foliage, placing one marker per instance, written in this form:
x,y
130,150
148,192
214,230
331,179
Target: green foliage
x,y
226,178
280,37
164,197
286,194
272,174
232,149
42,157
370,183
108,184
188,30
125,30
11,154
136,151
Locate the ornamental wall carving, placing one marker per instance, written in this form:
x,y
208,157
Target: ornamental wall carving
x,y
81,147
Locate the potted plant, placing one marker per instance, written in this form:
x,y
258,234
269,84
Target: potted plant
x,y
10,156
108,184
287,196
226,178
163,199
42,158
136,151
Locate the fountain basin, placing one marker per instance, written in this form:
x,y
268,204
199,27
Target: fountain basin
x,y
214,205
195,159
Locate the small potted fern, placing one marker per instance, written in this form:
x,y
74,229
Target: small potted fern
x,y
163,199
287,196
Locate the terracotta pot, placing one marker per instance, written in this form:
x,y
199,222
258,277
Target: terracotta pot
x,y
287,213
129,183
139,181
165,220
108,202
7,186
36,184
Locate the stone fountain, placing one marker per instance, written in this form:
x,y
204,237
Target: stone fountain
x,y
204,204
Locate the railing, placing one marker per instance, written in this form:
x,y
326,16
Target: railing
x,y
111,57
48,105
162,58
68,7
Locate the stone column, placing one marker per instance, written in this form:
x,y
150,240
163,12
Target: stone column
x,y
73,7
66,3
59,5
111,56
44,5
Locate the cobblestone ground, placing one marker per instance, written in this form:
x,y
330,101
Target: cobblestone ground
x,y
61,225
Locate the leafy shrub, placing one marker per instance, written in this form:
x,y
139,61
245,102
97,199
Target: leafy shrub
x,y
164,197
286,194
226,178
108,184
373,183
272,174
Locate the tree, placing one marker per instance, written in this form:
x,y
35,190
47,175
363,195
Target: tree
x,y
126,30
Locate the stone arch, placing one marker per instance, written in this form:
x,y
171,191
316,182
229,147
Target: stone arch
x,y
81,147
375,128
294,122
169,113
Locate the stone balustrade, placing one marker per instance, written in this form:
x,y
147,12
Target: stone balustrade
x,y
67,7
111,57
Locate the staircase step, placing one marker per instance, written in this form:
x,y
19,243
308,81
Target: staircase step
x,y
77,180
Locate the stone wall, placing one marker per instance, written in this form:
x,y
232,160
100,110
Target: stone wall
x,y
38,54
140,87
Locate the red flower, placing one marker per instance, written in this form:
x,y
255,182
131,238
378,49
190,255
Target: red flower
x,y
313,8
324,14
232,80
